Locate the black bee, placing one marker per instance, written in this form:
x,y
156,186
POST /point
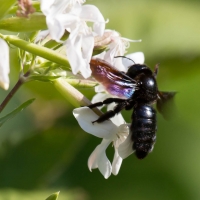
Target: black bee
x,y
137,89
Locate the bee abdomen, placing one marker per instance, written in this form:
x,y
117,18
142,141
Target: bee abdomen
x,y
143,130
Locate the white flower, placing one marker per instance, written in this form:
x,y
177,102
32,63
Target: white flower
x,y
110,132
117,46
4,65
71,16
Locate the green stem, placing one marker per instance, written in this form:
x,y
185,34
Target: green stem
x,y
44,52
13,91
72,95
77,83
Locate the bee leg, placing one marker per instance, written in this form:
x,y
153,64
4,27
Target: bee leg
x,y
113,100
105,116
111,113
129,105
107,101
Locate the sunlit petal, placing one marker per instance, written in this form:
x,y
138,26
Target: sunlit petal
x,y
92,13
75,54
45,5
85,116
136,58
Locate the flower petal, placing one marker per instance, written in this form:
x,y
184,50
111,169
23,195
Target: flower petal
x,y
116,164
74,54
87,47
99,88
99,97
85,116
45,5
92,160
4,65
99,159
56,30
54,7
92,13
126,148
136,58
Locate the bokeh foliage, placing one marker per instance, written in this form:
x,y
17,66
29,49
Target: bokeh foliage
x,y
43,148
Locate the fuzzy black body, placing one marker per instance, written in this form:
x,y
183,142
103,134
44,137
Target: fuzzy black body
x,y
137,89
143,129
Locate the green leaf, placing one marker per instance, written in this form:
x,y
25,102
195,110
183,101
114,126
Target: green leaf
x,y
5,6
14,112
53,196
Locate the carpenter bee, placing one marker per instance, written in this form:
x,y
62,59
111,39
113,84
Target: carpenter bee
x,y
136,89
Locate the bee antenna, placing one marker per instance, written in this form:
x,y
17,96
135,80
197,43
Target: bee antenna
x,y
124,57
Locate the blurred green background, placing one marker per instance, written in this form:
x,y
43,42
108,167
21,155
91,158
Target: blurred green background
x,y
43,150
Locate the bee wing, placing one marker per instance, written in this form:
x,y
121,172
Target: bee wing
x,y
115,82
165,104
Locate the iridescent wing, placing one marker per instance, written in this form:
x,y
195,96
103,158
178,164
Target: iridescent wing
x,y
115,82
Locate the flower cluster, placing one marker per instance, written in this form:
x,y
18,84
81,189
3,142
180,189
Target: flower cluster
x,y
72,16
